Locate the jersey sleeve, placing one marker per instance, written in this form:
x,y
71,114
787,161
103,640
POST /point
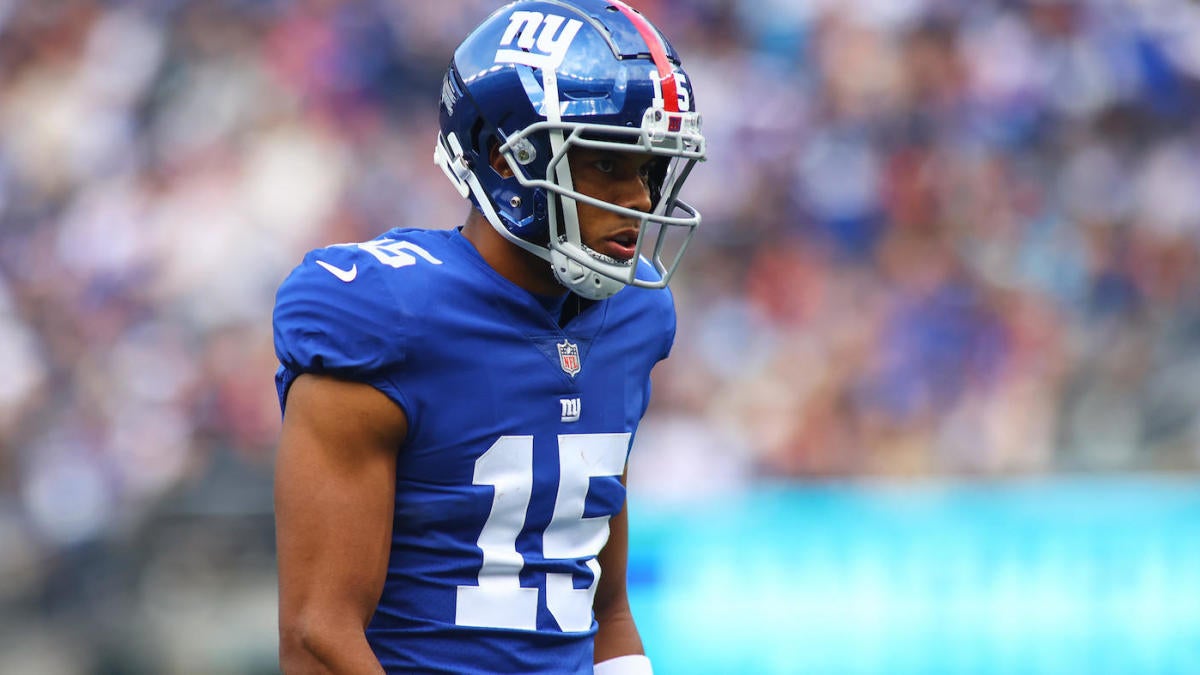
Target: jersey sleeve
x,y
334,315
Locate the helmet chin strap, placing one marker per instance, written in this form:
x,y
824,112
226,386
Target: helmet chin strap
x,y
581,280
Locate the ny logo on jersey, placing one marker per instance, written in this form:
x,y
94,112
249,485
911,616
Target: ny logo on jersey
x,y
568,357
572,408
549,34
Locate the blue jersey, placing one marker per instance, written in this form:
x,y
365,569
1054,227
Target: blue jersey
x,y
519,431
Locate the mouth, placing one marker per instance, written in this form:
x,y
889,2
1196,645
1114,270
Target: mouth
x,y
620,246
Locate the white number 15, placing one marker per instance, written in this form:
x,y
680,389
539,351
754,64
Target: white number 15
x,y
499,601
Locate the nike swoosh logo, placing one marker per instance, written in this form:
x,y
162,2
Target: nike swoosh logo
x,y
345,275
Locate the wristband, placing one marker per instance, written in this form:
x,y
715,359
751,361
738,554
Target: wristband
x,y
633,664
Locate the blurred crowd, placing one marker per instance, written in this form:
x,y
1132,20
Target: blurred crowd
x,y
940,238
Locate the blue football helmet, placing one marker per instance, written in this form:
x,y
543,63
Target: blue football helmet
x,y
539,77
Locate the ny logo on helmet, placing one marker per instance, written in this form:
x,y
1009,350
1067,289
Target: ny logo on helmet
x,y
549,34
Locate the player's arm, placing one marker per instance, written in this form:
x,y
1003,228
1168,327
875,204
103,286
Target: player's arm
x,y
616,636
334,499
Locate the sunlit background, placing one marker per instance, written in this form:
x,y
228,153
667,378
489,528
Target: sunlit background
x,y
934,405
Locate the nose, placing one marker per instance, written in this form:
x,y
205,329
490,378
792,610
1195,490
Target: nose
x,y
634,193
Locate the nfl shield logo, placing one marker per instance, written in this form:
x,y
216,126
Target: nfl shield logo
x,y
568,357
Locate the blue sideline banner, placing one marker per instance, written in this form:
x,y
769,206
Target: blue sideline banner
x,y
1085,576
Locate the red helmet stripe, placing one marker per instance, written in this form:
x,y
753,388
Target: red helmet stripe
x,y
666,74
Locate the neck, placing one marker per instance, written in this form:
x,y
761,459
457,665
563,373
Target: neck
x,y
512,262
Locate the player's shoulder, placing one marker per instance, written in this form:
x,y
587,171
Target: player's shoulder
x,y
660,301
399,248
365,273
420,252
353,304
640,314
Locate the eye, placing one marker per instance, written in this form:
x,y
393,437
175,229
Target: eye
x,y
605,165
646,171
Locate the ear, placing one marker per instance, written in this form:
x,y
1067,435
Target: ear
x,y
499,164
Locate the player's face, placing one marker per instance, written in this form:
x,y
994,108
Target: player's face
x,y
620,178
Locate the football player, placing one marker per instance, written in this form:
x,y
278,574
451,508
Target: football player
x,y
459,403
